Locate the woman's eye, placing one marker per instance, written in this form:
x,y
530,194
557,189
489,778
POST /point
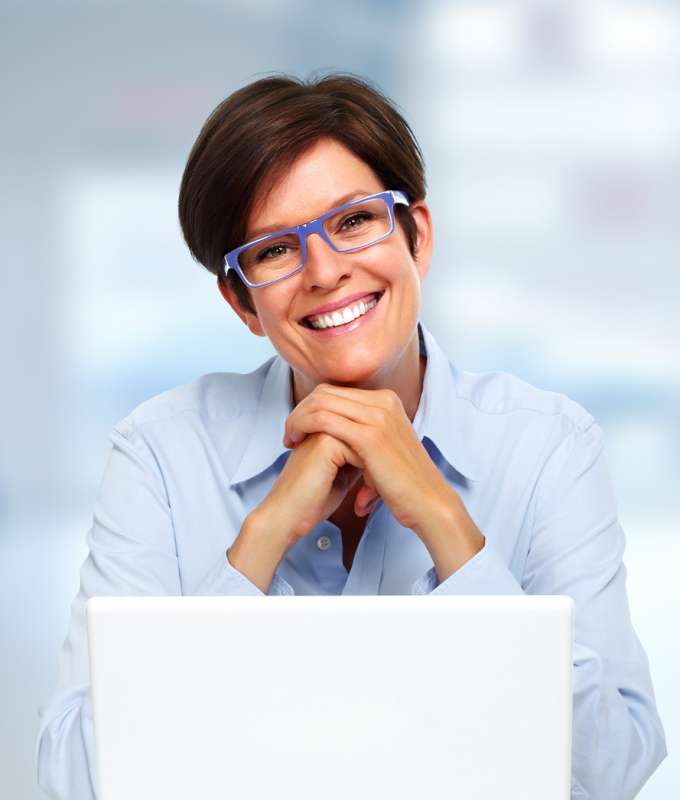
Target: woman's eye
x,y
355,221
276,251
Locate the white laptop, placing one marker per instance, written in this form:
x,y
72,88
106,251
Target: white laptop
x,y
333,697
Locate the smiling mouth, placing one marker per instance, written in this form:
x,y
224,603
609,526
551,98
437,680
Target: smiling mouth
x,y
306,323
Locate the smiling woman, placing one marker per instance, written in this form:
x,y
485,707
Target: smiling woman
x,y
359,459
329,270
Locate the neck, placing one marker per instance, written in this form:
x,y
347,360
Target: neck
x,y
406,380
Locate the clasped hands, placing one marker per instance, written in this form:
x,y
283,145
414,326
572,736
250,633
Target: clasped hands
x,y
395,465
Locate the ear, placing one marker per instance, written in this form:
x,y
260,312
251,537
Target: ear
x,y
247,317
423,219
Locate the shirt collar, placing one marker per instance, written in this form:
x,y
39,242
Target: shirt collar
x,y
442,416
265,441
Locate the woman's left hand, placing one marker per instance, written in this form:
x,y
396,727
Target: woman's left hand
x,y
374,424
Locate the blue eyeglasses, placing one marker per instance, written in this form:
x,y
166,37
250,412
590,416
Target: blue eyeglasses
x,y
345,229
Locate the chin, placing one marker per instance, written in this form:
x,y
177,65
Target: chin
x,y
351,376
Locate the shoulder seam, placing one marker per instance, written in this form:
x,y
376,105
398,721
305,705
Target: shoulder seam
x,y
576,423
175,412
582,426
167,410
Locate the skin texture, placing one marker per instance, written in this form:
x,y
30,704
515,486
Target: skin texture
x,y
355,395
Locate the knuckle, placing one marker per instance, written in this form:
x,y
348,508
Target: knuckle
x,y
392,398
329,444
380,417
314,401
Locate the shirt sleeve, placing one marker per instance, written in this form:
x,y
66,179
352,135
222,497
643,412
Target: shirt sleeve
x,y
223,578
576,549
132,551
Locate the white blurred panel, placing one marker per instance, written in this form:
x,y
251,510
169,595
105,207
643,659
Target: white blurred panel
x,y
576,331
642,35
475,35
624,121
126,265
502,199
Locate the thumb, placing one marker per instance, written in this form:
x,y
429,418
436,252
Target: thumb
x,y
364,498
346,478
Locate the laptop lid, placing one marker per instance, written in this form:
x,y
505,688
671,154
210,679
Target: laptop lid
x,y
395,697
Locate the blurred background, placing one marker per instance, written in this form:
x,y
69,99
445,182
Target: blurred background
x,y
551,133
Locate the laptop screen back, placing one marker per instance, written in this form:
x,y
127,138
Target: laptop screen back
x,y
396,697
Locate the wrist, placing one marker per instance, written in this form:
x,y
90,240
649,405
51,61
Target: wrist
x,y
264,526
451,536
440,512
257,551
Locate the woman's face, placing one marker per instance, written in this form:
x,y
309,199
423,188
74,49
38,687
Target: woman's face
x,y
373,353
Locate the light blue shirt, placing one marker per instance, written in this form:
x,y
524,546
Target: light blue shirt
x,y
187,466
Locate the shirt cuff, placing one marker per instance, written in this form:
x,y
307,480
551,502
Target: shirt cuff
x,y
484,573
225,579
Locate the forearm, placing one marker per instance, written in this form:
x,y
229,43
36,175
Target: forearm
x,y
449,533
258,549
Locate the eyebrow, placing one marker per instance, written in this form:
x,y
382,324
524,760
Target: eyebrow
x,y
278,226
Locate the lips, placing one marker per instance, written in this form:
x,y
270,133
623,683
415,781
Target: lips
x,y
352,300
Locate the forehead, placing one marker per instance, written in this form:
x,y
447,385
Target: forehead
x,y
319,178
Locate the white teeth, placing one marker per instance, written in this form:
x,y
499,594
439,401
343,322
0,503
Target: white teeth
x,y
344,315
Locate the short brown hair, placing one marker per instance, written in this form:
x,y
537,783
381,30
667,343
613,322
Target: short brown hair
x,y
258,132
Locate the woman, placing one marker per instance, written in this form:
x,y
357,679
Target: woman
x,y
358,460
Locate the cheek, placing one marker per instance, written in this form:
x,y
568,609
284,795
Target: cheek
x,y
274,305
278,316
393,263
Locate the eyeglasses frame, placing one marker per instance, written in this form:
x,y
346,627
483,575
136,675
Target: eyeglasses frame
x,y
390,196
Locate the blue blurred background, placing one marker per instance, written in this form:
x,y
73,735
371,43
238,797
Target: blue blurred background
x,y
551,133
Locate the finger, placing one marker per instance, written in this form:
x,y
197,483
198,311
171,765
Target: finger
x,y
378,398
345,458
369,483
365,510
365,500
382,400
365,494
351,409
347,476
353,434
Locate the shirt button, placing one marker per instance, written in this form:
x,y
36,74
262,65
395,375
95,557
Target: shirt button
x,y
323,542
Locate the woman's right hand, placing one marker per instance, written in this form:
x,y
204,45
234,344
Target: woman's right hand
x,y
319,473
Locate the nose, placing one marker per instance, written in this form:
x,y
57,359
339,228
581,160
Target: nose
x,y
324,267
